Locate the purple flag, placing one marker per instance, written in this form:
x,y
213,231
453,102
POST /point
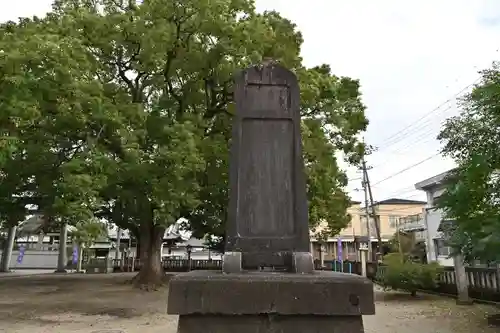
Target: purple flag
x,y
75,254
339,249
21,254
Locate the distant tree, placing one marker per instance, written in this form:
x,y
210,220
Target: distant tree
x,y
406,245
85,234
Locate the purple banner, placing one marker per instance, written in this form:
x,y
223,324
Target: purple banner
x,y
75,254
339,250
21,254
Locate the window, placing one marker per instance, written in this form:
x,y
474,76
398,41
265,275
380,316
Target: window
x,y
393,221
441,248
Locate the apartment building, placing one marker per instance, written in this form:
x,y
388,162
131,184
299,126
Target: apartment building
x,y
427,224
388,213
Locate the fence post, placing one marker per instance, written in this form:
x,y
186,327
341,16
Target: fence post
x,y
364,254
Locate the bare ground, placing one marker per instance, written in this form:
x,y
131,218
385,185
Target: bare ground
x,y
105,303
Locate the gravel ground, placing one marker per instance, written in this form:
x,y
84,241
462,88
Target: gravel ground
x,y
95,303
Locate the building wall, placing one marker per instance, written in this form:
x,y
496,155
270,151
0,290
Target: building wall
x,y
436,249
388,216
357,227
354,227
329,250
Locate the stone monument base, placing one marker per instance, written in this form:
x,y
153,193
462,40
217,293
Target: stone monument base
x,y
269,323
261,302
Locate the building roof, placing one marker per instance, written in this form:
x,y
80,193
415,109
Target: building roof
x,y
396,201
432,181
31,225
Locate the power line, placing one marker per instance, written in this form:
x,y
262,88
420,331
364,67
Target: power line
x,y
423,130
405,149
407,168
430,112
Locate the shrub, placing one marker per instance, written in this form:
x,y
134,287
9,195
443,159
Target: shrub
x,y
398,273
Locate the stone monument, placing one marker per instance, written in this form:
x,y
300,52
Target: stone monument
x,y
268,282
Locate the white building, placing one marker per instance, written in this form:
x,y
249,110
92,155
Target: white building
x,y
427,224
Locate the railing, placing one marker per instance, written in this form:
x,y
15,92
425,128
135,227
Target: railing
x,y
411,219
484,283
353,267
183,265
169,265
413,222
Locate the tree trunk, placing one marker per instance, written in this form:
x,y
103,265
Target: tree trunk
x,y
151,274
7,250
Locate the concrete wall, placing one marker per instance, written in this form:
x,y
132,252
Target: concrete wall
x,y
34,260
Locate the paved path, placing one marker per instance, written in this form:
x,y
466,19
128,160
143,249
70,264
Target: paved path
x,y
75,303
397,312
17,272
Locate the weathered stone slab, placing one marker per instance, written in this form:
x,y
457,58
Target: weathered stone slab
x,y
267,220
320,294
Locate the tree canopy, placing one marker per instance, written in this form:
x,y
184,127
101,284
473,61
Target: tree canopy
x,y
122,110
472,198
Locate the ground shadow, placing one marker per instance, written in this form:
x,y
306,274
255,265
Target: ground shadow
x,y
401,296
27,298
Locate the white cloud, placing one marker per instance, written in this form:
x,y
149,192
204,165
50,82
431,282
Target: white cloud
x,y
410,56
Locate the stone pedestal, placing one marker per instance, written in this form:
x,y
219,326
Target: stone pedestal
x,y
250,302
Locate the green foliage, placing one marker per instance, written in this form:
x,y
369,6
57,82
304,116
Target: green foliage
x,y
471,197
86,233
405,244
406,241
50,106
122,110
398,273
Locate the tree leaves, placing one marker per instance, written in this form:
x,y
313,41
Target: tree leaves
x,y
123,110
472,196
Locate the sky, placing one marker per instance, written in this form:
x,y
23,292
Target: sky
x,y
413,59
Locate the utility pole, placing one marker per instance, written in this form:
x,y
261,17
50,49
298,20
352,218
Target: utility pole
x,y
373,212
398,233
367,212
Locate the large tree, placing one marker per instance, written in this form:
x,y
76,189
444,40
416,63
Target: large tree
x,y
160,73
51,108
472,197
